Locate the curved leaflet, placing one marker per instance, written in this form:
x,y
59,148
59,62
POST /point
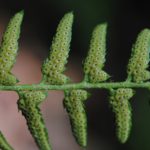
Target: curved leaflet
x,y
54,65
95,59
73,103
9,48
28,104
119,101
138,63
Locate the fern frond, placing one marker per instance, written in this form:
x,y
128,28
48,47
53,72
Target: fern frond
x,y
54,65
29,105
119,101
31,96
9,48
138,63
95,59
74,104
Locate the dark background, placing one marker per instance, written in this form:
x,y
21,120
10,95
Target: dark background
x,y
125,20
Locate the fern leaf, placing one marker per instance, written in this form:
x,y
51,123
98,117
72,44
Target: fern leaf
x,y
138,63
28,104
119,102
9,48
95,59
73,103
54,65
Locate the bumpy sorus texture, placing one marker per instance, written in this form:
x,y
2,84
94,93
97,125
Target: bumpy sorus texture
x,y
139,60
95,59
9,48
73,103
28,104
54,66
3,143
7,78
119,102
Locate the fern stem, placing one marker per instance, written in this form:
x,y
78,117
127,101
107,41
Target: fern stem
x,y
81,85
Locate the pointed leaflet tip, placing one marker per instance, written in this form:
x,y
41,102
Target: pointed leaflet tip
x,y
104,25
21,12
100,28
68,17
69,14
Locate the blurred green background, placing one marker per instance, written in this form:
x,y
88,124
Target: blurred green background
x,y
125,20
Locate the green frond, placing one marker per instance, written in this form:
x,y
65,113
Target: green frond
x,y
54,65
95,59
28,104
119,101
31,96
138,63
9,48
73,103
